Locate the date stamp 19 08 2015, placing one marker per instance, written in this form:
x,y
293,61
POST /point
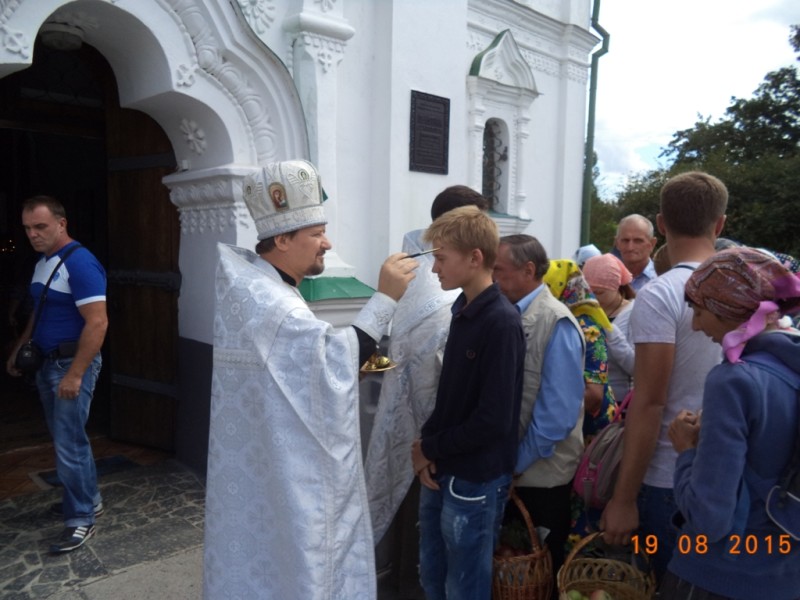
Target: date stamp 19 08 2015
x,y
736,544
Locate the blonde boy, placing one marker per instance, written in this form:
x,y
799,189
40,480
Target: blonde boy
x,y
467,449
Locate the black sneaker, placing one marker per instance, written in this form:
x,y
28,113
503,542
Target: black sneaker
x,y
72,538
58,509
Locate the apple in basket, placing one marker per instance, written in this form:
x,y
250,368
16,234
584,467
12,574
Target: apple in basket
x,y
503,551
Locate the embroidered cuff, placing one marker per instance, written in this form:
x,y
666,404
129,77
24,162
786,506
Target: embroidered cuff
x,y
376,315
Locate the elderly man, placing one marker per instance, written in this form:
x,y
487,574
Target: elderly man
x,y
635,242
551,417
286,507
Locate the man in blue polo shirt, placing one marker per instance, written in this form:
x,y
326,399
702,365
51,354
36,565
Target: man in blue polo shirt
x,y
70,331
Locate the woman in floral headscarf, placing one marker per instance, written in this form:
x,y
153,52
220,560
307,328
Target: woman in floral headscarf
x,y
727,464
566,282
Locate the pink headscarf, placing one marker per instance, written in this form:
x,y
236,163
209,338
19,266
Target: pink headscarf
x,y
743,284
606,272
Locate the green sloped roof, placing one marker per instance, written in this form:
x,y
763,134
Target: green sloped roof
x,y
333,288
475,67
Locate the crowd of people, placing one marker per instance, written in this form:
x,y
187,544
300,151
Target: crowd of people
x,y
508,360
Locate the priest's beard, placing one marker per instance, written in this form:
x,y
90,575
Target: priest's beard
x,y
316,269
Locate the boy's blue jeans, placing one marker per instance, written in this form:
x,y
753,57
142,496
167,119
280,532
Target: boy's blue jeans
x,y
459,525
66,419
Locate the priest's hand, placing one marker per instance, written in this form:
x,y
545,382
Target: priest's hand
x,y
396,273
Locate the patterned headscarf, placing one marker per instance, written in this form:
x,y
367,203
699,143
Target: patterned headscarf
x,y
743,284
606,272
788,261
567,283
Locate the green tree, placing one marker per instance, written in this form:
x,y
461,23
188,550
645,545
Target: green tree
x,y
602,224
768,124
755,149
641,194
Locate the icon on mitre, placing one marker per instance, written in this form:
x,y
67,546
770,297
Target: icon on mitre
x,y
278,194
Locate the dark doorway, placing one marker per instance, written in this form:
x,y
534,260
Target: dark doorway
x,y
63,133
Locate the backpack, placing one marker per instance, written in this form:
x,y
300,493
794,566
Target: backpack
x,y
782,499
599,466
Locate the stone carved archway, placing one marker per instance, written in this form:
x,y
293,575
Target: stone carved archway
x,y
225,101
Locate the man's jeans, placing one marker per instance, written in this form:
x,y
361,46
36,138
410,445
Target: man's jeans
x,y
66,419
459,525
656,509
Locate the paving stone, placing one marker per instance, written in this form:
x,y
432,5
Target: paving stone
x,y
53,573
15,595
12,572
150,542
151,513
148,545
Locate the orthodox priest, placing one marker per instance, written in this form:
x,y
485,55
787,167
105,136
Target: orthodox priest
x,y
286,504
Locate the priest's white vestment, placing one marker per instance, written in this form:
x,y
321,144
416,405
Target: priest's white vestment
x,y
408,393
286,504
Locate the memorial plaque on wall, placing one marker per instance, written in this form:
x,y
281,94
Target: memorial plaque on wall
x,y
430,133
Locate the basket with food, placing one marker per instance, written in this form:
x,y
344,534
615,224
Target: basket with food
x,y
604,574
523,567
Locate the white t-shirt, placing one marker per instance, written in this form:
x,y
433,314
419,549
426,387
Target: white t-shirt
x,y
661,315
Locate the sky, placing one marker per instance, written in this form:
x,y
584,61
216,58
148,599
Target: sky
x,y
671,61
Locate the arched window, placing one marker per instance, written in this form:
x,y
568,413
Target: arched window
x,y
495,164
501,90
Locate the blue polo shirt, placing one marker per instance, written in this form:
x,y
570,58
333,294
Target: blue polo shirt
x,y
645,276
80,280
472,431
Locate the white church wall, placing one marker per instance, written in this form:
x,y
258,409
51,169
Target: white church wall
x,y
558,56
225,93
194,68
398,47
428,47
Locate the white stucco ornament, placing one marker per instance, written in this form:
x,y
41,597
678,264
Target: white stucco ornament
x,y
259,13
195,137
15,42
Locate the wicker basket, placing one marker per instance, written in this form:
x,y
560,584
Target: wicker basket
x,y
622,580
527,577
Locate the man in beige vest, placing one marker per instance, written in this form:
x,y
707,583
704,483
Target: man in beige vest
x,y
551,417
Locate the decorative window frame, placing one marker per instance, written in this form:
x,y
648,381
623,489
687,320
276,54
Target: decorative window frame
x,y
501,86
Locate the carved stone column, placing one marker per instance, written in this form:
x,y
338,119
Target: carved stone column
x,y
212,210
318,35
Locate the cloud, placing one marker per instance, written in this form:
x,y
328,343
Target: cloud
x,y
670,63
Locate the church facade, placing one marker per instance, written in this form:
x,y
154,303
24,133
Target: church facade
x,y
146,115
